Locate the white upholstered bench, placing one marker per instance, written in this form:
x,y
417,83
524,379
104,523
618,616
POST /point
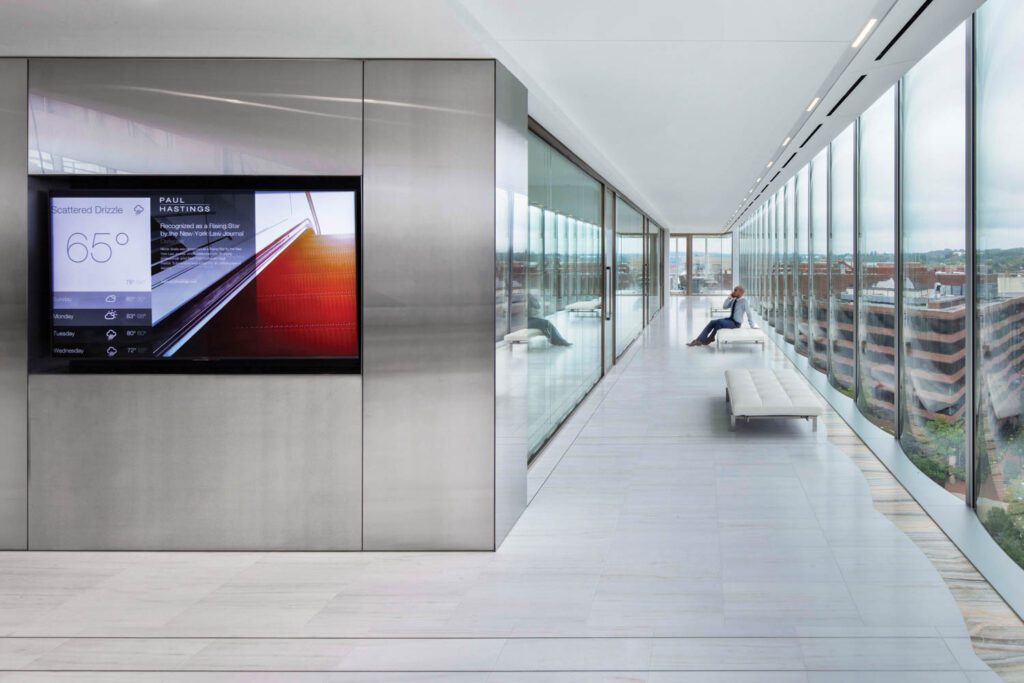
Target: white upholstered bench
x,y
592,306
764,392
522,336
740,335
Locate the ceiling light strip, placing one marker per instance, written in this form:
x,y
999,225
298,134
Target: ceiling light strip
x,y
793,156
813,104
863,35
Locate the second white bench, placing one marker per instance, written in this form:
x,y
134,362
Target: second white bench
x,y
764,392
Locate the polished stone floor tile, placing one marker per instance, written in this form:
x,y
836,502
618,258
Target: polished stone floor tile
x,y
659,547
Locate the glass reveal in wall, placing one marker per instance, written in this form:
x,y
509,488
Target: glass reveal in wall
x,y
999,279
841,261
629,266
563,289
876,246
933,224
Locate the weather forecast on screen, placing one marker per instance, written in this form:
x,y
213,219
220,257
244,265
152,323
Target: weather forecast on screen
x,y
204,275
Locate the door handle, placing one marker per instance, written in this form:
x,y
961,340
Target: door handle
x,y
608,293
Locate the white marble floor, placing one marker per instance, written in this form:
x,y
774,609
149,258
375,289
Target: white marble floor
x,y
659,547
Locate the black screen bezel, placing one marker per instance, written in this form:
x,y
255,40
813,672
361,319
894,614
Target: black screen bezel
x,y
48,187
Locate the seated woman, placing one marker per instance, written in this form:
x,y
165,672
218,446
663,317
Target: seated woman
x,y
738,307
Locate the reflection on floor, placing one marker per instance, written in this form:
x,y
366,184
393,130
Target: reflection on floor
x,y
661,547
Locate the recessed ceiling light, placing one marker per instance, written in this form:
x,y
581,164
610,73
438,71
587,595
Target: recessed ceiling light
x,y
786,141
769,164
813,104
862,36
758,180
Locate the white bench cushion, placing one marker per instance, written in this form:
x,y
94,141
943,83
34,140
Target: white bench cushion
x,y
740,335
522,335
760,392
584,306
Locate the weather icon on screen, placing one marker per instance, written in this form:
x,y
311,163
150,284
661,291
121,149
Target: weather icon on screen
x,y
138,209
110,315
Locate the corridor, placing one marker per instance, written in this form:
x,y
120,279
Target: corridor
x,y
658,546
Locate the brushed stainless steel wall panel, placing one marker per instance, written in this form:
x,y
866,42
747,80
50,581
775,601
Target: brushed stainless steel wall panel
x,y
13,306
194,462
428,316
511,418
196,116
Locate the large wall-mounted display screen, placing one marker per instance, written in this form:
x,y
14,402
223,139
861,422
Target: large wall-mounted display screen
x,y
204,274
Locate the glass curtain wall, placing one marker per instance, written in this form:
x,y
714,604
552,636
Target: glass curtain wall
x,y
629,286
841,262
563,289
801,265
999,272
933,239
819,262
876,263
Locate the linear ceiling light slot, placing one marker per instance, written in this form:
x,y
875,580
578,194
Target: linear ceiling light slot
x,y
864,32
816,129
903,30
846,94
774,177
791,157
764,188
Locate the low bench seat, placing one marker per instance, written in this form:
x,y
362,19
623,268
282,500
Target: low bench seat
x,y
522,336
592,306
740,335
765,392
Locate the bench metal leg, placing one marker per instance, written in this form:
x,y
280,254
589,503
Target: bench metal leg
x,y
814,424
732,423
727,394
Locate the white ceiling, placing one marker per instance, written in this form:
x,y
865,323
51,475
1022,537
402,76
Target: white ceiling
x,y
686,98
679,103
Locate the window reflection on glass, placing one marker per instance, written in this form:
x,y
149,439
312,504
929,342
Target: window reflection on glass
x,y
999,280
629,266
819,261
563,289
801,269
933,206
876,343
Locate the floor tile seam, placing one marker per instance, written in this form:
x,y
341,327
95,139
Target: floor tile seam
x,y
887,637
700,669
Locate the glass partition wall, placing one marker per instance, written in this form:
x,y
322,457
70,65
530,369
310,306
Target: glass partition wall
x,y
629,274
710,271
913,246
563,288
